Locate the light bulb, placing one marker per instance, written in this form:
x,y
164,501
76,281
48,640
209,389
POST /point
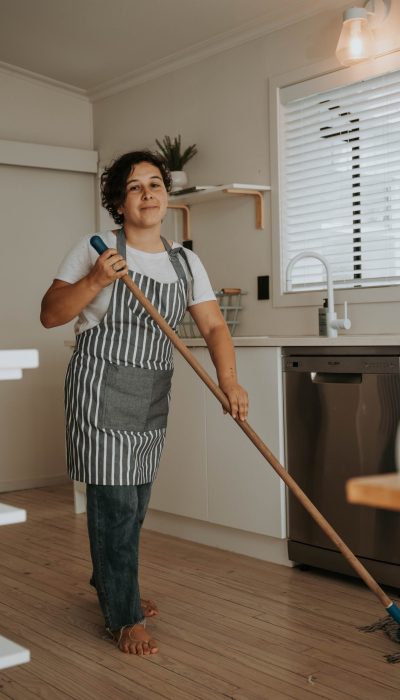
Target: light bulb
x,y
356,42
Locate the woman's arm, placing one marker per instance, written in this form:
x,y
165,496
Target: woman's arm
x,y
63,301
211,324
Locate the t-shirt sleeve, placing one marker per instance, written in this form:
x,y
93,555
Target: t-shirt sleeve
x,y
202,289
77,262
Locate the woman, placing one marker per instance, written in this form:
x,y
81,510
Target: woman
x,y
118,381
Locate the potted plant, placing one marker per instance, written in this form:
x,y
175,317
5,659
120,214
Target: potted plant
x,y
175,158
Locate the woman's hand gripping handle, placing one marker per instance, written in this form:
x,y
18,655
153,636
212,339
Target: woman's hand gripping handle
x,y
108,267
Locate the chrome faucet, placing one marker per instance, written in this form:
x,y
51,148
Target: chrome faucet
x,y
333,323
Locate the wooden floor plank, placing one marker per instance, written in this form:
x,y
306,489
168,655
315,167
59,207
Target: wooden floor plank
x,y
25,684
231,627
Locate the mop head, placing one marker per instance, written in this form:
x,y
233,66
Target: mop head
x,y
392,629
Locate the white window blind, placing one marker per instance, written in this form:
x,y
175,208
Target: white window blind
x,y
340,184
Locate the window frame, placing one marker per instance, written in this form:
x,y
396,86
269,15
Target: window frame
x,y
300,82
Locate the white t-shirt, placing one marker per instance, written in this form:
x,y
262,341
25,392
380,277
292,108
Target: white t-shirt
x,y
81,258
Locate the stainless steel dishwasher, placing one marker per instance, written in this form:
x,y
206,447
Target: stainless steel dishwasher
x,y
342,409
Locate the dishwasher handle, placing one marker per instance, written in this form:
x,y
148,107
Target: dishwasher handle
x,y
336,377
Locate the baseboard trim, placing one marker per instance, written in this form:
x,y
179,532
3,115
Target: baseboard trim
x,y
34,483
252,545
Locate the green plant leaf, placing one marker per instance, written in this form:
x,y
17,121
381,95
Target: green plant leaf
x,y
171,152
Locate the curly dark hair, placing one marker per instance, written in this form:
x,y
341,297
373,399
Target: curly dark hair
x,y
113,179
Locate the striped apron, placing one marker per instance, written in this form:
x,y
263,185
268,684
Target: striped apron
x,y
118,382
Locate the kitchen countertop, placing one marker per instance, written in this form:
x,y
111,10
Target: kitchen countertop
x,y
282,341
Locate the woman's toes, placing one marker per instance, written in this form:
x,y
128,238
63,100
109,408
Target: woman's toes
x,y
135,640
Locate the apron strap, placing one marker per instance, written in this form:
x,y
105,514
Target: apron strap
x,y
121,243
173,254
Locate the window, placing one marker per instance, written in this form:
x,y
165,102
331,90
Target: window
x,y
340,183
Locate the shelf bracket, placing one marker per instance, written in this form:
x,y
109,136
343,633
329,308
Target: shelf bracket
x,y
255,193
186,219
259,202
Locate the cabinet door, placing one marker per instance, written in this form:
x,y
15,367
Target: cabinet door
x,y
181,485
244,492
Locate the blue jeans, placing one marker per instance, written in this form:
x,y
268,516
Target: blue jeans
x,y
115,515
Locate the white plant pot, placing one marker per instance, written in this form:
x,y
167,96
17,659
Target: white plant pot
x,y
179,180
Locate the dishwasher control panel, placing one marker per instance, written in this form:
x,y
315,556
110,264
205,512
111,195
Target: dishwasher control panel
x,y
343,364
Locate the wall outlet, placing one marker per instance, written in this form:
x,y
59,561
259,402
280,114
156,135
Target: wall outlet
x,y
263,287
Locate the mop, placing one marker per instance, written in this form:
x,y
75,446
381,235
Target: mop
x,y
391,628
390,624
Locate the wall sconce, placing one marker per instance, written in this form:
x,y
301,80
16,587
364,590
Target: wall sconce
x,y
356,41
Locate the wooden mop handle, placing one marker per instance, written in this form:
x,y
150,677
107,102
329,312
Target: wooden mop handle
x,y
252,435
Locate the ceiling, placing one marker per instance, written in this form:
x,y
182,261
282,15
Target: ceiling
x,y
90,44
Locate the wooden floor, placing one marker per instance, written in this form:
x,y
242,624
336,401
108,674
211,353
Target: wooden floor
x,y
230,627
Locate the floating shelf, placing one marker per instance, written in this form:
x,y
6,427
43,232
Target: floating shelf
x,y
10,515
213,192
12,362
12,654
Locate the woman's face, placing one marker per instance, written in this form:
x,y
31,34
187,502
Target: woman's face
x,y
146,198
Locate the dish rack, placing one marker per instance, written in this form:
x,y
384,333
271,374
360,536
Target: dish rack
x,y
230,302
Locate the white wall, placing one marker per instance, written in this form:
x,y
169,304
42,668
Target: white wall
x,y
40,113
42,212
221,103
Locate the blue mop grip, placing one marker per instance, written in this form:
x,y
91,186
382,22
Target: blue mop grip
x,y
394,611
98,244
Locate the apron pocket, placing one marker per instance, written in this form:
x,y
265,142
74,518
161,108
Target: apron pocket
x,y
125,398
134,399
159,404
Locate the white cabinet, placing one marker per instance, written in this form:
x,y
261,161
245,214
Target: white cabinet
x,y
181,485
210,470
243,490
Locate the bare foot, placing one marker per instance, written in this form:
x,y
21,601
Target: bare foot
x,y
149,608
135,640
